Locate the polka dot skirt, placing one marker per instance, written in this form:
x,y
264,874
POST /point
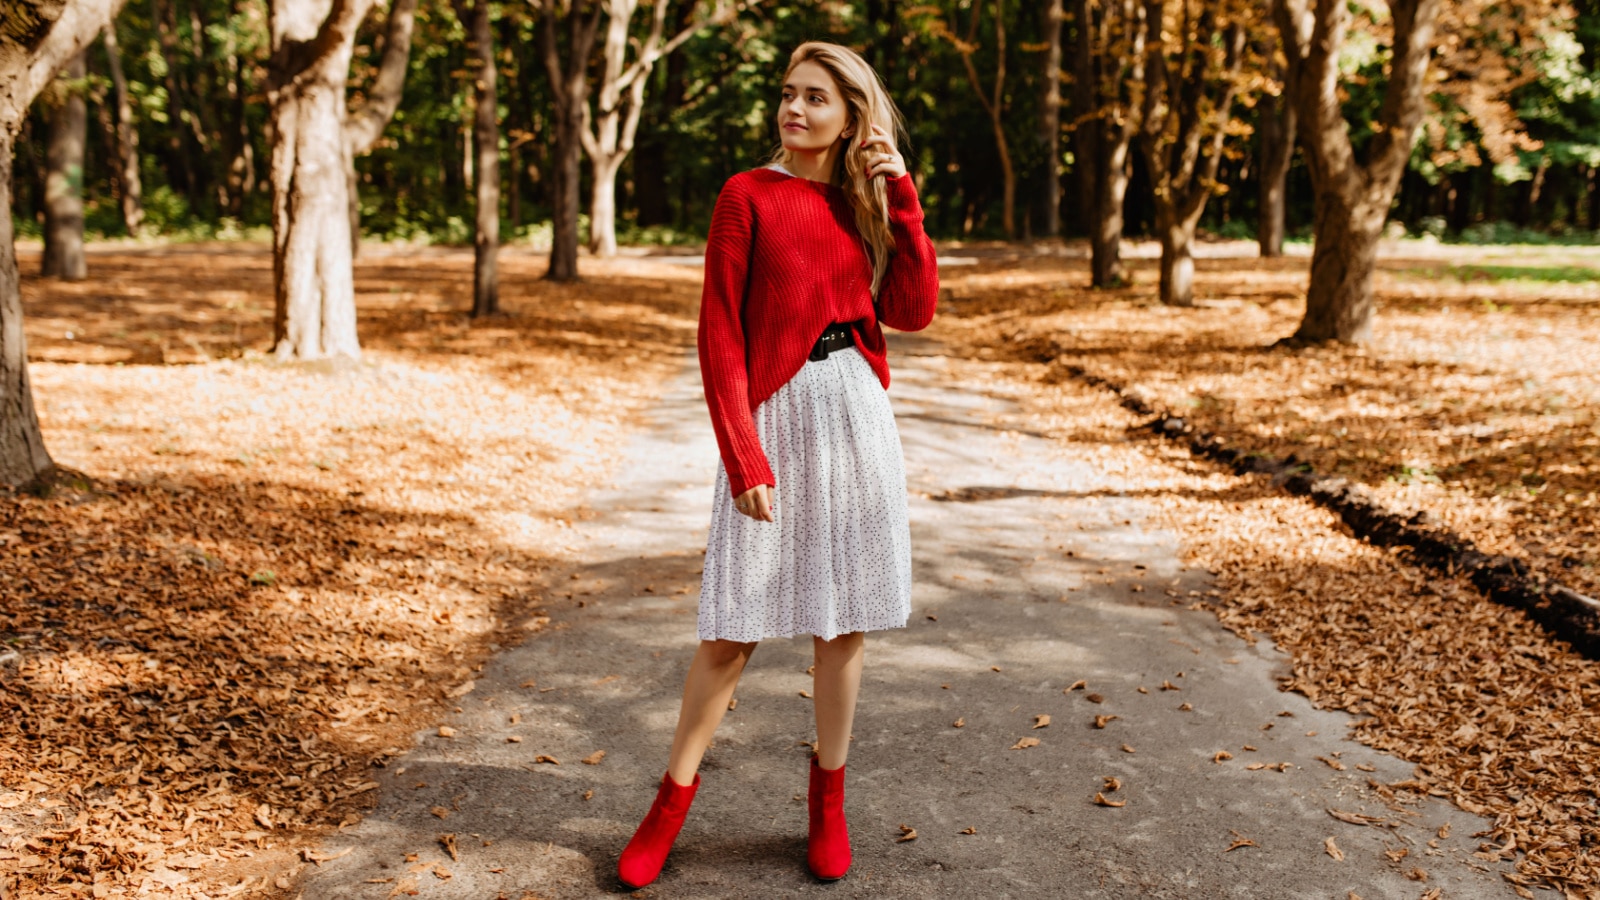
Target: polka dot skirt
x,y
837,558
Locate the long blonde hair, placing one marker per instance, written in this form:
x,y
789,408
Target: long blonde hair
x,y
868,104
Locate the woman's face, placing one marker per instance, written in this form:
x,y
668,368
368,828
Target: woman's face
x,y
812,116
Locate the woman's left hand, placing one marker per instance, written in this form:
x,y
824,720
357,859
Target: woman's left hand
x,y
884,159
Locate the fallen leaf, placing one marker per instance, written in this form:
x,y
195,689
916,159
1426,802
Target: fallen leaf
x,y
1185,707
806,694
1221,755
1332,763
440,812
959,723
1127,749
1417,875
514,739
588,795
449,843
1102,721
1025,743
320,858
968,830
1112,783
542,758
1078,685
1041,721
1094,698
994,668
1169,686
907,833
1100,800
1241,842
594,758
1332,849
445,731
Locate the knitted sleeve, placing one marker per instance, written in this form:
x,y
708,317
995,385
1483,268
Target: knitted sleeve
x,y
910,289
723,367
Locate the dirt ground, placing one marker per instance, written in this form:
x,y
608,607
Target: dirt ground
x,y
286,571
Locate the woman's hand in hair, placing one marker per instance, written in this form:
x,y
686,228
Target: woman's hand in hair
x,y
882,159
756,503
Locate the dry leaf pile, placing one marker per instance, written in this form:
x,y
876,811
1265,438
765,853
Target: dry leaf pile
x,y
1476,402
285,571
1497,717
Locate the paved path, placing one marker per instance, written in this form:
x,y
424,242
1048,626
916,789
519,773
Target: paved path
x,y
1005,620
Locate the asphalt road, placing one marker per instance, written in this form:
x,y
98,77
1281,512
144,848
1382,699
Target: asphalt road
x,y
1005,622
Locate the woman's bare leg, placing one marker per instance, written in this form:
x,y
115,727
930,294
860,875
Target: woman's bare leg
x,y
713,674
836,682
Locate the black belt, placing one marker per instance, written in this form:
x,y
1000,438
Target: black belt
x,y
836,337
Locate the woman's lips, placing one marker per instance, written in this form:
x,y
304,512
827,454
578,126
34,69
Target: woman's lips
x,y
794,126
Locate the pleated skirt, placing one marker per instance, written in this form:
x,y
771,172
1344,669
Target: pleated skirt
x,y
837,558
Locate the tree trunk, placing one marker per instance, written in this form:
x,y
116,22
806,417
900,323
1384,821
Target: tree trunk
x,y
315,313
1177,259
1352,200
1050,120
1277,153
1339,303
569,82
132,193
1085,128
36,40
486,137
63,186
1111,190
603,208
22,453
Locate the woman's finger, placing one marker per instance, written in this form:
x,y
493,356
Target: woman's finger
x,y
763,505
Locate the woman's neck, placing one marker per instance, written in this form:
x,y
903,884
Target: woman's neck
x,y
814,165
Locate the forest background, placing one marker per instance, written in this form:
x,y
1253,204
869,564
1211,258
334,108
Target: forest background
x,y
1508,151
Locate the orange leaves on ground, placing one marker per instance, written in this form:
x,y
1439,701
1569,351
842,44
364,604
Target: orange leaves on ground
x,y
287,571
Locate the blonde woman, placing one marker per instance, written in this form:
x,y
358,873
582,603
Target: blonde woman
x,y
807,258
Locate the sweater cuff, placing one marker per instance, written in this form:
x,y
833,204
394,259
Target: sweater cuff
x,y
739,482
902,197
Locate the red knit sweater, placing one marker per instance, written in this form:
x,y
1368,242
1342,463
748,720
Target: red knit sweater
x,y
784,261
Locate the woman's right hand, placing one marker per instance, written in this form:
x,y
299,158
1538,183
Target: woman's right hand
x,y
756,503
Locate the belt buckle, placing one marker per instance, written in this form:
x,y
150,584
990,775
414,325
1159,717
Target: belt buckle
x,y
819,351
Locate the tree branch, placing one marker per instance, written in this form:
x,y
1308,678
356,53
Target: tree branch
x,y
365,125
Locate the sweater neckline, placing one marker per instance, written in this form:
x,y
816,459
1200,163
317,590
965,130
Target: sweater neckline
x,y
779,168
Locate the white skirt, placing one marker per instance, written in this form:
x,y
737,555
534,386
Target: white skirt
x,y
837,557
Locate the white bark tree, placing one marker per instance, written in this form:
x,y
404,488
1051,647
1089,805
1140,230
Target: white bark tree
x,y
37,37
609,128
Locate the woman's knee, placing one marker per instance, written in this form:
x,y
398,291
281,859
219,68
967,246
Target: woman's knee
x,y
842,647
726,653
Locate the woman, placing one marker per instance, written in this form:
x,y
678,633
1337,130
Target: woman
x,y
806,257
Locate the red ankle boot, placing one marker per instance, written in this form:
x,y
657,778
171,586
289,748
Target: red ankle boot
x,y
828,849
644,856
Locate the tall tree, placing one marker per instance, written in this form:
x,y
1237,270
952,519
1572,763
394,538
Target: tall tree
x,y
1194,50
313,286
486,139
37,37
1275,127
1352,199
994,101
1050,116
569,83
63,186
365,123
1110,76
619,101
130,192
